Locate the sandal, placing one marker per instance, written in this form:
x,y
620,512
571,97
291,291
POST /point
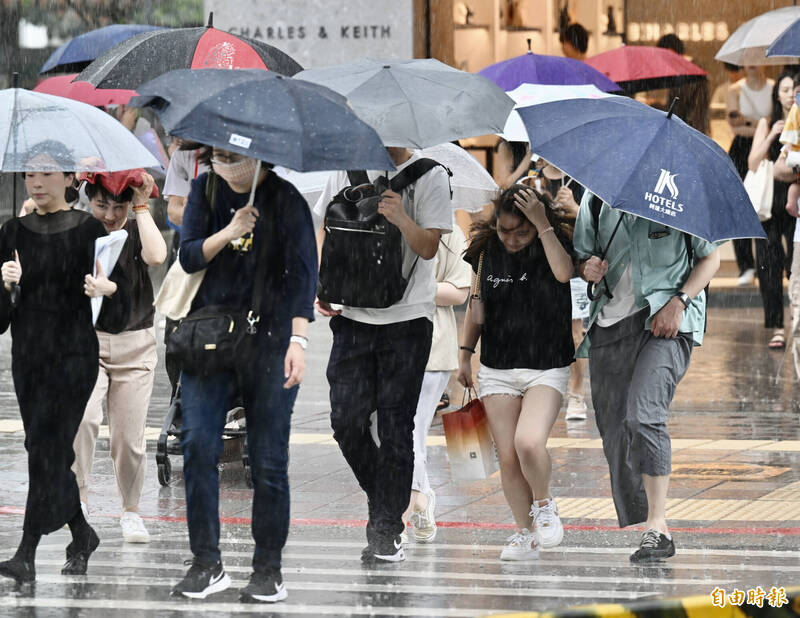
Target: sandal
x,y
778,341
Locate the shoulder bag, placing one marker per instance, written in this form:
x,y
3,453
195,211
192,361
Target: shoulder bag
x,y
759,186
477,311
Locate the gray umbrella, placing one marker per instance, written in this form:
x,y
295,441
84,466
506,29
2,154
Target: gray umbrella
x,y
417,103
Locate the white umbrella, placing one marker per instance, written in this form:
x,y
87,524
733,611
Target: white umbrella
x,y
534,94
748,44
473,187
76,137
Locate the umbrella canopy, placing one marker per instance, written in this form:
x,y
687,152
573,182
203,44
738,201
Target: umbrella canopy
x,y
645,162
77,53
259,114
533,68
788,43
76,136
417,103
146,55
748,44
63,86
642,67
534,94
473,187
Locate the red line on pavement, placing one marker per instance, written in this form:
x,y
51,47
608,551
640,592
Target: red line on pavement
x,y
460,525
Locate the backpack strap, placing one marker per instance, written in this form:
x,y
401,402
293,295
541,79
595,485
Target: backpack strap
x,y
357,177
414,172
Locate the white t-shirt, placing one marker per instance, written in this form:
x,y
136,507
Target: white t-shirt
x,y
624,302
183,168
427,202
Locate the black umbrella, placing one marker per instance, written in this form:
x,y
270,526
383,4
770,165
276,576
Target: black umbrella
x,y
285,121
144,56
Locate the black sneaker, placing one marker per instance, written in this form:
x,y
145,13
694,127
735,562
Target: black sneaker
x,y
387,548
653,547
264,587
201,580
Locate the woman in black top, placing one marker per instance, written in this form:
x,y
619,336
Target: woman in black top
x,y
526,351
127,359
54,351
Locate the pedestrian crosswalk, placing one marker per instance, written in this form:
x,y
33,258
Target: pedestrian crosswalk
x,y
460,575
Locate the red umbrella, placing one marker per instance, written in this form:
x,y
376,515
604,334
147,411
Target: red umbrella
x,y
63,86
639,67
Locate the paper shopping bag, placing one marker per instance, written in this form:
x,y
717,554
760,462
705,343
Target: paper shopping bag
x,y
470,448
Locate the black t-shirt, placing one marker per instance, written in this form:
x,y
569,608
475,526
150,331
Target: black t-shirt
x,y
528,311
136,272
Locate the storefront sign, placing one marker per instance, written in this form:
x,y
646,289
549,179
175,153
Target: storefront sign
x,y
650,32
320,32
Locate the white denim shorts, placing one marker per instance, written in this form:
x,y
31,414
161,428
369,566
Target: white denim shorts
x,y
516,382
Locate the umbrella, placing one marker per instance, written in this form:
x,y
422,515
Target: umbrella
x,y
533,68
63,86
645,162
788,43
640,67
749,43
260,114
77,53
472,186
417,103
149,54
88,139
533,94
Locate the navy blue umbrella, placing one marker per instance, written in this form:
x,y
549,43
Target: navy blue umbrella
x,y
277,119
645,162
77,53
788,43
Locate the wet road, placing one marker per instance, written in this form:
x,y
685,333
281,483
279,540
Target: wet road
x,y
734,509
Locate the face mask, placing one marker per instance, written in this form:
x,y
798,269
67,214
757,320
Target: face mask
x,y
239,173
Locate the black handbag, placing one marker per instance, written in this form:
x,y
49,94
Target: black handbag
x,y
210,339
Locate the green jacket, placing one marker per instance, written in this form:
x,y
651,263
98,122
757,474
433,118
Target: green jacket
x,y
660,265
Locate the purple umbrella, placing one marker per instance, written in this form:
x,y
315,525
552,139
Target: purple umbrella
x,y
533,68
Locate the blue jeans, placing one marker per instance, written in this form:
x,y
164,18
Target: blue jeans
x,y
268,410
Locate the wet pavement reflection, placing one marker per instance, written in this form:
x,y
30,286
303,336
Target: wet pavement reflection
x,y
734,508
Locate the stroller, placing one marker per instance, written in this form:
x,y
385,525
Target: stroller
x,y
234,437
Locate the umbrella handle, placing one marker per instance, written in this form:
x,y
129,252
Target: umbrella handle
x,y
590,291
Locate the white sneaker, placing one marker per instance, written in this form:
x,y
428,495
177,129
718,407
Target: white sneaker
x,y
522,545
548,523
133,530
404,537
746,278
576,408
424,523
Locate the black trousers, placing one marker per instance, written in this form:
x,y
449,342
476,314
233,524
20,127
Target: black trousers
x,y
378,367
773,260
742,247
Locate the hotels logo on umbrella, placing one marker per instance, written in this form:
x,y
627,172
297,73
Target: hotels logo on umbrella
x,y
666,181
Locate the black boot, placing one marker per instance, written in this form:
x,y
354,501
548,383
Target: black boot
x,y
21,567
20,570
78,553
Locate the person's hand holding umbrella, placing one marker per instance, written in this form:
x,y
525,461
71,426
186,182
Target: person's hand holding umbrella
x,y
594,269
12,272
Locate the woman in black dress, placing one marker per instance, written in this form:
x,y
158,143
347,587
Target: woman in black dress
x,y
46,257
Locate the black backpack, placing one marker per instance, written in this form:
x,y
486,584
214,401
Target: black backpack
x,y
362,257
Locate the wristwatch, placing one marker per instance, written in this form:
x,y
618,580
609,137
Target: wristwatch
x,y
299,340
685,299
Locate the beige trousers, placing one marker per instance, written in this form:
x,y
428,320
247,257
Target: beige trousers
x,y
124,383
794,301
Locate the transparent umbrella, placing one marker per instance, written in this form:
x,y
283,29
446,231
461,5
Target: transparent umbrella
x,y
473,187
76,137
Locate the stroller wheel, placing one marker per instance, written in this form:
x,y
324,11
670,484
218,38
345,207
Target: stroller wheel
x,y
164,472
